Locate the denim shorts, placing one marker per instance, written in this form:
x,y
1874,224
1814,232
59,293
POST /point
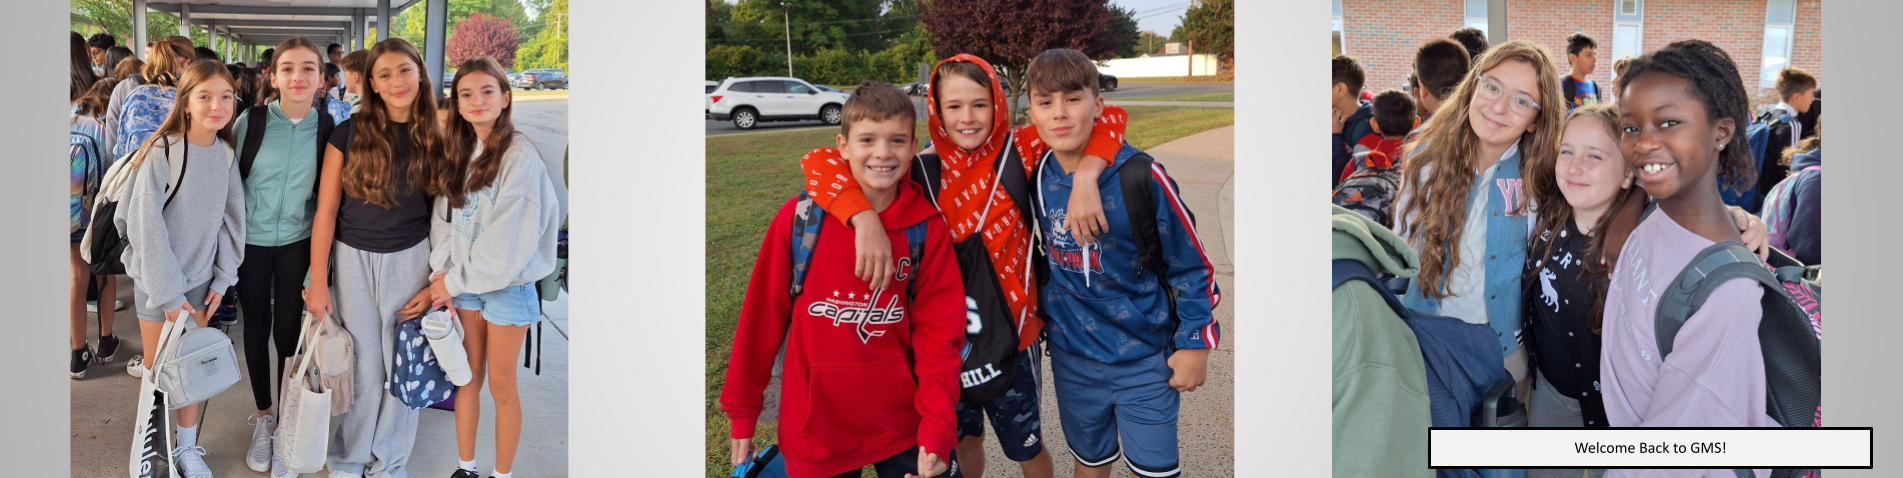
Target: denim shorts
x,y
513,305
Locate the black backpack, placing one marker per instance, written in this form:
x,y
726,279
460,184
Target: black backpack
x,y
1789,334
255,118
104,246
988,365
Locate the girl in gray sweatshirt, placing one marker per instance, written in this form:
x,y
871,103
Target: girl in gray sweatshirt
x,y
185,236
491,240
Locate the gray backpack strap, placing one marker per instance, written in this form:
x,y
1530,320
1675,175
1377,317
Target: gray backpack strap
x,y
1711,268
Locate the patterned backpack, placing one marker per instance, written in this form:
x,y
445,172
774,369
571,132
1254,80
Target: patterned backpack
x,y
145,110
88,165
1369,189
415,378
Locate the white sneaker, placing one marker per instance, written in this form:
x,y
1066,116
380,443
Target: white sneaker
x,y
278,469
259,458
136,366
93,306
191,462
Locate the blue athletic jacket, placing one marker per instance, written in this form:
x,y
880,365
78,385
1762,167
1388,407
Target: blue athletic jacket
x,y
1102,304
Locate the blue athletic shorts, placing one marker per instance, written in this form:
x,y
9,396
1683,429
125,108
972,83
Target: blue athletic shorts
x,y
514,305
1014,416
1098,404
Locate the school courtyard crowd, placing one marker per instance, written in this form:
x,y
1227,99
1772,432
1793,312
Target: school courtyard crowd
x,y
1518,241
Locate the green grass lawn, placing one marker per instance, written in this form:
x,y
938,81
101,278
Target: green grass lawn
x,y
750,176
1230,97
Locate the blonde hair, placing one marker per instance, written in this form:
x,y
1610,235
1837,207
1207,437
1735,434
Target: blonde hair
x,y
1438,209
167,54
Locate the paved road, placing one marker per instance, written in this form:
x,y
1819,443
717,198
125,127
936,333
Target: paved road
x,y
1126,90
546,124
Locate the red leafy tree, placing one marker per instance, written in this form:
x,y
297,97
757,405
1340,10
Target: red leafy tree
x,y
484,35
1008,33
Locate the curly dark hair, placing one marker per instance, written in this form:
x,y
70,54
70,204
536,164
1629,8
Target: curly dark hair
x,y
1579,41
1713,78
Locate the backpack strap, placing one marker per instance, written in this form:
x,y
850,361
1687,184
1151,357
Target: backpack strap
x,y
177,173
915,244
807,218
255,118
326,124
926,172
1350,270
1711,268
1012,178
1140,204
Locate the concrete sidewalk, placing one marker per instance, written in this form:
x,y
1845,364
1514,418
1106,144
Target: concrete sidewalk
x,y
102,412
1203,165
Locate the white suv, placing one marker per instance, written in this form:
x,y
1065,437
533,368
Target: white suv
x,y
749,101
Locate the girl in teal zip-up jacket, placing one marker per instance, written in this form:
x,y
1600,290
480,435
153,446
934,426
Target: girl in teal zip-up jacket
x,y
280,185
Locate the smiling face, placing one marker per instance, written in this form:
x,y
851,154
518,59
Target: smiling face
x,y
1591,170
210,105
296,74
965,108
1501,120
480,99
1063,118
395,78
877,151
1667,136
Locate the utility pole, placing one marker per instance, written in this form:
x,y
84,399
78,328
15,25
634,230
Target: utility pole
x,y
1189,43
786,15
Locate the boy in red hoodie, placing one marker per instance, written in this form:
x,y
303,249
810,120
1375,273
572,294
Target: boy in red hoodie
x,y
871,375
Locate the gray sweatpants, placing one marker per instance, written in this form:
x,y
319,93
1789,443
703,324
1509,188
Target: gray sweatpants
x,y
1550,409
374,438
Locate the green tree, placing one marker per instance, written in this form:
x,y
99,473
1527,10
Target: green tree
x,y
413,23
549,47
1211,27
115,16
1123,24
821,24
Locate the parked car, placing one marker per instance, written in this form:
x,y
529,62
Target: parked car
x,y
513,76
913,88
752,100
711,85
1106,82
544,79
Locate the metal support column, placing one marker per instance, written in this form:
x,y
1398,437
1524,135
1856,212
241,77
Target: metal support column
x,y
436,28
185,20
1497,22
138,29
383,20
360,30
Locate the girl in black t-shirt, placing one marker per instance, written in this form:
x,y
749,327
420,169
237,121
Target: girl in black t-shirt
x,y
382,168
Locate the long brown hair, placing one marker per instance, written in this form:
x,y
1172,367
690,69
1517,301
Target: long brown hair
x,y
460,134
1542,185
127,67
81,67
1438,210
93,102
199,73
366,175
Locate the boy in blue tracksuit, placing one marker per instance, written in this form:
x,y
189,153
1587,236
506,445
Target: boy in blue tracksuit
x,y
1126,340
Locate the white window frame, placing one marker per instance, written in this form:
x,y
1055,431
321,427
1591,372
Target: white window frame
x,y
1477,20
1638,27
1767,77
1339,30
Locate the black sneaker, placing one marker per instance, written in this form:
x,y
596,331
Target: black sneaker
x,y
108,347
462,473
81,358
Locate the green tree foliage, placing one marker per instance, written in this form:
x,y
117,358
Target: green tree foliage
x,y
1211,27
749,40
1123,24
115,16
549,47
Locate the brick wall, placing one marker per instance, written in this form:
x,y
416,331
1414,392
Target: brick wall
x,y
1383,34
1549,22
1737,26
1807,49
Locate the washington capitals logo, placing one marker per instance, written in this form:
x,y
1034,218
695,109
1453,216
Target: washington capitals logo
x,y
865,314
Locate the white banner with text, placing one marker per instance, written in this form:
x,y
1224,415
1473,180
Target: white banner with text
x,y
1649,447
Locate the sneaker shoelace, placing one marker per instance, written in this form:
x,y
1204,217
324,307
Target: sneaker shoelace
x,y
192,458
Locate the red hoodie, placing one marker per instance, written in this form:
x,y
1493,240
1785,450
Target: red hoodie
x,y
853,392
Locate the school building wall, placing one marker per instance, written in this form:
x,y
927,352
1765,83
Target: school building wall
x,y
1383,34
